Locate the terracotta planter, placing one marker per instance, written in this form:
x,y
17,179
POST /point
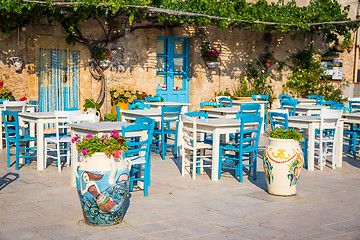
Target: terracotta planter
x,y
103,187
283,161
123,106
269,62
211,65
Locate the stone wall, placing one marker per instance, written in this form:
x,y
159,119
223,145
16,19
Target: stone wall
x,y
134,58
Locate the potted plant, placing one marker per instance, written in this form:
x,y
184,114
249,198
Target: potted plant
x,y
283,161
102,178
110,117
5,93
91,106
269,59
210,55
102,56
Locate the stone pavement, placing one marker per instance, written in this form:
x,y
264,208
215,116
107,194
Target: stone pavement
x,y
42,205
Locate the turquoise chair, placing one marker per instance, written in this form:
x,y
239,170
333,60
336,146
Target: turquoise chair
x,y
318,98
118,113
284,97
329,103
197,114
137,101
263,98
34,102
291,103
139,153
153,99
253,108
225,102
3,100
245,150
354,106
16,139
281,120
352,134
139,106
209,104
169,116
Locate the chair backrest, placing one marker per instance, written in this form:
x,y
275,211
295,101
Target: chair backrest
x,y
338,106
279,119
61,121
318,98
197,114
328,103
209,104
217,98
253,108
11,124
142,145
225,102
146,120
250,130
139,106
354,106
329,114
3,100
153,99
189,131
284,96
137,101
34,102
291,104
169,115
82,118
72,109
15,106
118,113
260,97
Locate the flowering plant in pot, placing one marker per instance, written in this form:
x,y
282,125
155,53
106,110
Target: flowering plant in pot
x,y
102,178
283,161
209,54
102,56
269,59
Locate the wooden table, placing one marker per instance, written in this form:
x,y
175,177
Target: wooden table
x,y
217,126
96,129
29,107
310,123
158,105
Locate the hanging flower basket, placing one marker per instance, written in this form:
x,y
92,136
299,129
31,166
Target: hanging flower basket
x,y
104,63
211,65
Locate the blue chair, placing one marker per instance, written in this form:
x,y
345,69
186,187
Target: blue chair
x,y
34,102
209,104
197,114
318,98
329,103
281,120
169,116
118,113
352,134
16,139
354,106
72,109
290,105
139,106
139,154
225,102
284,97
153,99
3,100
263,98
245,150
137,101
253,108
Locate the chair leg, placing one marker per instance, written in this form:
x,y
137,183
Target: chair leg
x,y
254,165
163,146
240,170
58,156
17,156
220,164
321,156
27,154
194,164
8,154
183,159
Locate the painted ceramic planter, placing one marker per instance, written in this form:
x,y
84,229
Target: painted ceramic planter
x,y
97,113
104,63
211,65
283,161
103,187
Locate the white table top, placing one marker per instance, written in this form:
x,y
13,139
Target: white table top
x,y
249,101
222,110
100,126
168,104
353,115
38,114
219,122
144,112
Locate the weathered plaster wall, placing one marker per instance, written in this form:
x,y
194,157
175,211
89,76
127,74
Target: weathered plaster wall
x,y
134,58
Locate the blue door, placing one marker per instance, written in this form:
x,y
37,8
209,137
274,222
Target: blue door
x,y
58,79
172,74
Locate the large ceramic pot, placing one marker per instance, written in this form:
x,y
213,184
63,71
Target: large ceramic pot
x,y
283,161
211,65
122,106
97,113
103,186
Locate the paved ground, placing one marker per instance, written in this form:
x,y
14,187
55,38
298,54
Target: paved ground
x,y
42,205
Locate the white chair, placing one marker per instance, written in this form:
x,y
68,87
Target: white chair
x,y
190,146
60,144
217,98
326,139
82,118
15,106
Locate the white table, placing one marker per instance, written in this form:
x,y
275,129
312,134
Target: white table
x,y
158,105
37,120
96,129
227,112
217,126
29,108
352,117
261,102
306,101
307,109
310,123
133,114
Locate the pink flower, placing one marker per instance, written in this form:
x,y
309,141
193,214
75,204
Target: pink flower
x,y
115,134
267,64
89,136
85,151
117,153
74,139
228,90
272,52
105,136
263,71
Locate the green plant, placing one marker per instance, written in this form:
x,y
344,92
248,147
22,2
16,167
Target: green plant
x,y
112,145
305,78
5,93
286,134
209,53
101,53
110,117
90,103
227,92
126,95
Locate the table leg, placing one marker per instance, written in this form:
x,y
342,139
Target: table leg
x,y
41,161
74,159
262,114
215,155
339,144
1,131
311,146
